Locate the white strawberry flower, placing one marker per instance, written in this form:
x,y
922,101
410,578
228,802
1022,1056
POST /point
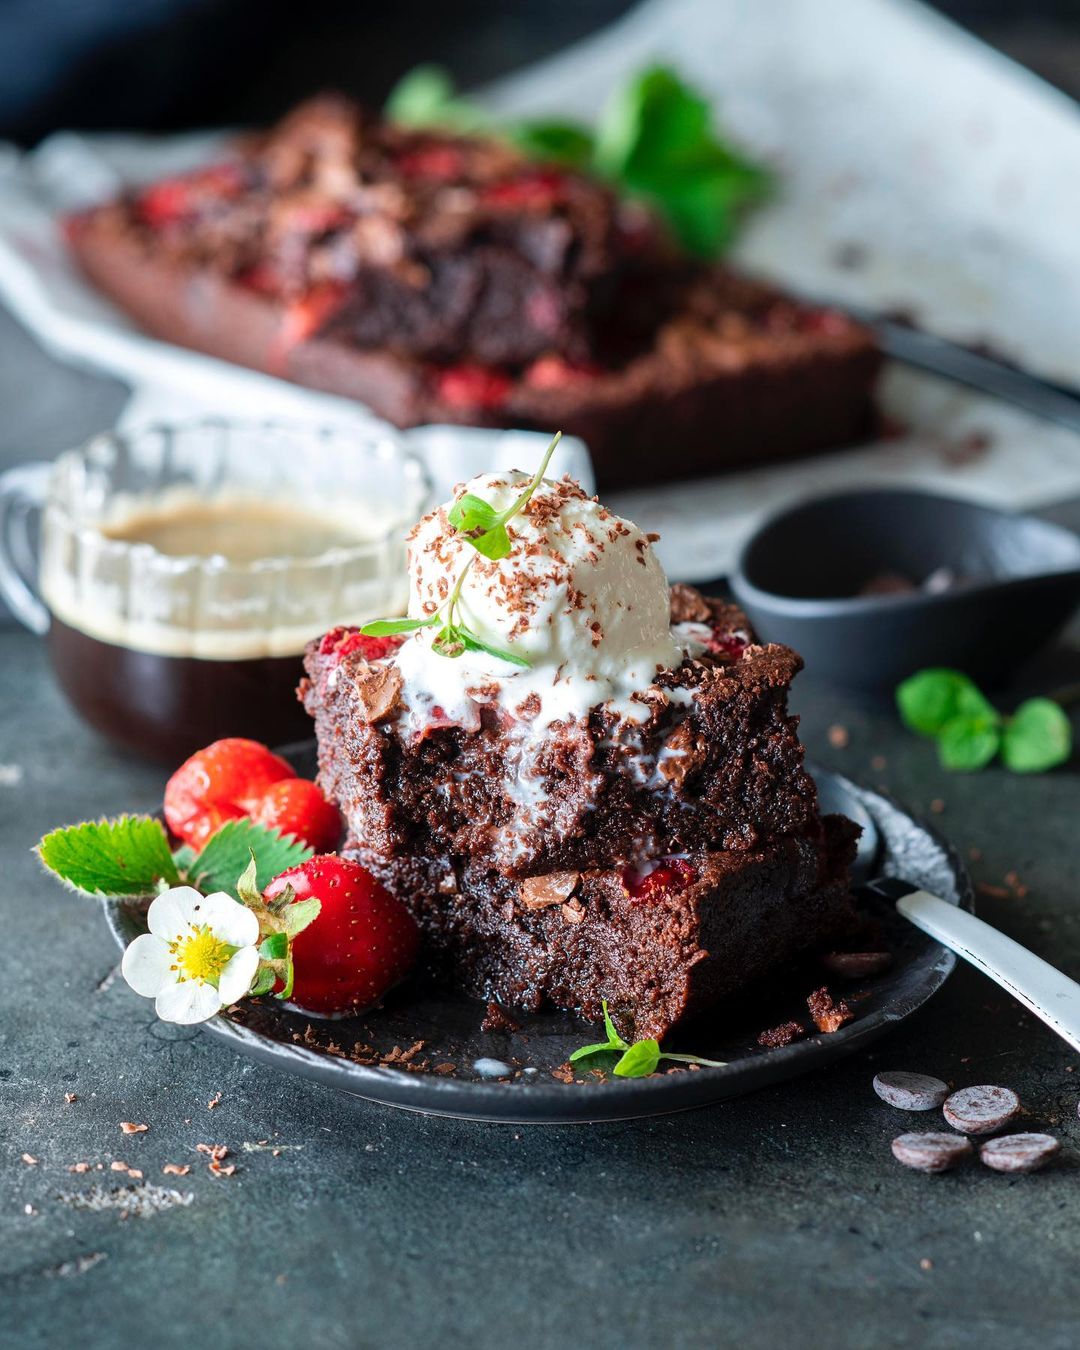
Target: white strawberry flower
x,y
200,954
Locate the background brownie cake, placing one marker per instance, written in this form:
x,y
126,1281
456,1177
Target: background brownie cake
x,y
583,785
442,278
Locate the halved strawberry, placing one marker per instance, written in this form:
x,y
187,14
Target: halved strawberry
x,y
297,806
363,942
221,782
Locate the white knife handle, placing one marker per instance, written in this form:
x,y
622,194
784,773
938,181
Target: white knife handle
x,y
1035,983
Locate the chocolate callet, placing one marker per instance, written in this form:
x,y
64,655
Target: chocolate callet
x,y
983,1109
776,1037
551,889
684,753
378,690
1019,1152
828,1015
910,1091
933,1152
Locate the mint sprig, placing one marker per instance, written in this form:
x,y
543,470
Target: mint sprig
x,y
654,140
484,528
638,1060
970,732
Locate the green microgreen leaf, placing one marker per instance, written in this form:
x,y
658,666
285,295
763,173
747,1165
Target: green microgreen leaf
x,y
612,1032
967,744
472,643
128,856
931,698
470,513
227,857
494,543
639,1061
391,627
447,642
612,1046
1037,737
695,1059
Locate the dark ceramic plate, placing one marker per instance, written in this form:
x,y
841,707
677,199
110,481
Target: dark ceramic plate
x,y
508,1076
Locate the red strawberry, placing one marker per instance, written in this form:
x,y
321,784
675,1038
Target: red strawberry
x,y
297,806
472,386
363,942
537,188
343,642
441,163
220,783
667,878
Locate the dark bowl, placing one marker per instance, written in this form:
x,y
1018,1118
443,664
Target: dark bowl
x,y
1015,583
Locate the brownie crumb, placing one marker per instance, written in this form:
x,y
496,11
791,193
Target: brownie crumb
x,y
552,889
828,1015
777,1037
129,1127
443,1069
498,1019
839,736
564,1073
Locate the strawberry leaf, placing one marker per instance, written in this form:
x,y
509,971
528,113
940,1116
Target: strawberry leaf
x,y
128,856
228,855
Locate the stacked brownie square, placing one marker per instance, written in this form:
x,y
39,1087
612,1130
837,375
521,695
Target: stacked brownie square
x,y
447,279
662,869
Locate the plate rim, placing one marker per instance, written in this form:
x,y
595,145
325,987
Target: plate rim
x,y
594,1102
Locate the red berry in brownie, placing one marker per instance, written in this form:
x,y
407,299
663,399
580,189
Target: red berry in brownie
x,y
439,163
297,807
343,642
472,386
554,372
222,782
665,878
533,188
363,942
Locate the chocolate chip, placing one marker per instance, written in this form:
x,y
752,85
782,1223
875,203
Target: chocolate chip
x,y
1019,1152
934,1152
551,889
857,965
910,1091
982,1109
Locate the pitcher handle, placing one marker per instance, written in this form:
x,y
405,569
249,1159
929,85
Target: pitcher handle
x,y
22,496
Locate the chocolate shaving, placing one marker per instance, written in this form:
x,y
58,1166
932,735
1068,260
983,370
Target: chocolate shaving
x,y
552,889
378,690
686,753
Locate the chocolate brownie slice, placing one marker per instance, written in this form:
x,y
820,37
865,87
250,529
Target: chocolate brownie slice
x,y
715,764
662,944
419,243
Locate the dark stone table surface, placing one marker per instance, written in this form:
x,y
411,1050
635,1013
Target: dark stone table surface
x,y
778,1219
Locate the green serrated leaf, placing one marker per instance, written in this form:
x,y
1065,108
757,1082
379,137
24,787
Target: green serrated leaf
x,y
300,914
1037,737
227,853
275,947
123,857
931,698
967,744
639,1061
390,627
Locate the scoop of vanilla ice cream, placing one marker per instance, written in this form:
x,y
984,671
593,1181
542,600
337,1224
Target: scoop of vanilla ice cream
x,y
581,596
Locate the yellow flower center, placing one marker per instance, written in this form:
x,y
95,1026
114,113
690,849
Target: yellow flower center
x,y
200,956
